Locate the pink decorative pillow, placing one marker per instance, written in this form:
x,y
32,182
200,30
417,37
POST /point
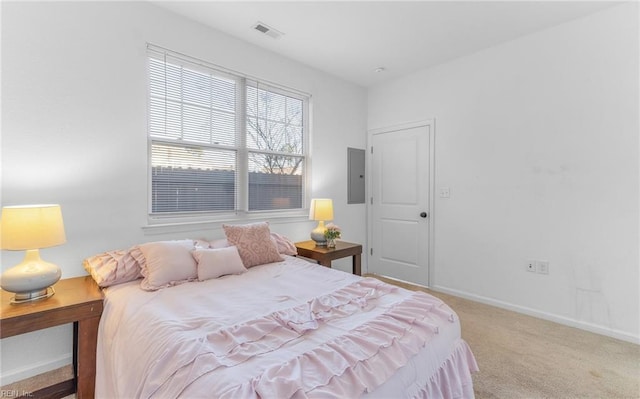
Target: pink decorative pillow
x,y
254,243
285,245
112,267
167,263
213,263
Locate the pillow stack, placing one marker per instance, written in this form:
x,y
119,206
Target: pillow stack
x,y
163,264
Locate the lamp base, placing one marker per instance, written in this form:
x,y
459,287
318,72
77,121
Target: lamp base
x,y
317,234
31,279
33,296
320,243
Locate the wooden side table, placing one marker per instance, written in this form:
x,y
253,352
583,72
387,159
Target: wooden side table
x,y
77,300
324,255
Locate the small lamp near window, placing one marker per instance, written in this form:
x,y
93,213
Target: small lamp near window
x,y
321,210
29,228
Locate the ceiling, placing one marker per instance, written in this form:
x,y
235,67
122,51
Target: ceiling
x,y
351,39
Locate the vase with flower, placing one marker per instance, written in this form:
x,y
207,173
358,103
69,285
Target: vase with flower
x,y
332,233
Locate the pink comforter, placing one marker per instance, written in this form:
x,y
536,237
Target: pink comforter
x,y
289,329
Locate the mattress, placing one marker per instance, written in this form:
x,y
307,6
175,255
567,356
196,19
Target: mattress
x,y
284,329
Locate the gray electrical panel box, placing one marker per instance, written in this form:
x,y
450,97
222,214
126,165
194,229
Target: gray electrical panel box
x,y
356,179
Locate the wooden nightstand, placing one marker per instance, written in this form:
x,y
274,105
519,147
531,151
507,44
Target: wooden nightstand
x,y
77,300
325,255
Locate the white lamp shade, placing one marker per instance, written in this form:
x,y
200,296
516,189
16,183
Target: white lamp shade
x,y
31,227
321,209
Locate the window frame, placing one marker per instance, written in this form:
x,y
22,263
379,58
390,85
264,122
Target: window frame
x,y
241,211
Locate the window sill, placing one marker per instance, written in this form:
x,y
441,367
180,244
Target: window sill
x,y
164,225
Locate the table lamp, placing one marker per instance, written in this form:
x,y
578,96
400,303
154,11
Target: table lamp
x,y
321,210
29,228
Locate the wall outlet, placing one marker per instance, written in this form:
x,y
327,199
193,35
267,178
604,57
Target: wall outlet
x,y
543,266
531,266
445,192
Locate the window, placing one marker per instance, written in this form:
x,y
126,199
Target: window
x,y
222,142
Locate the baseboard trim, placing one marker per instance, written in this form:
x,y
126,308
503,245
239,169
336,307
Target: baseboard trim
x,y
11,376
395,280
609,332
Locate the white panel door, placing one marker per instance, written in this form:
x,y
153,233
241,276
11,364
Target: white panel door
x,y
400,204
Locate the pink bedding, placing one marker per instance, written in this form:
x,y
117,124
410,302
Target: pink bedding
x,y
290,329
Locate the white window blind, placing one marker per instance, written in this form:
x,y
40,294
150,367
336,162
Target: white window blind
x,y
221,142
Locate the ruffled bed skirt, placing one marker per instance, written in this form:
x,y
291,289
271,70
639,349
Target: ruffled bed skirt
x,y
453,378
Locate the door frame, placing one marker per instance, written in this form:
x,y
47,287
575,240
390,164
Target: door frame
x,y
431,189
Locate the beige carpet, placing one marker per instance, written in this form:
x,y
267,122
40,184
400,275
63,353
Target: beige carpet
x,y
524,357
30,385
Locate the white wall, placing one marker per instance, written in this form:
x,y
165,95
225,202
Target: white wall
x,y
538,141
74,100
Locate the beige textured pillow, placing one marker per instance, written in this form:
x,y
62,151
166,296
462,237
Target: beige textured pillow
x,y
285,245
167,263
254,243
112,267
213,263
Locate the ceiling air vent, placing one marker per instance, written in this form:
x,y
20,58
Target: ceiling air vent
x,y
267,30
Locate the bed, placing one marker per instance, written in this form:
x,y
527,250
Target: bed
x,y
283,329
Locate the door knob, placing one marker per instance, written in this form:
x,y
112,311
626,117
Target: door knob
x,y
423,214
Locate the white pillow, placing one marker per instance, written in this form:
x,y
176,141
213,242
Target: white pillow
x,y
213,263
167,263
220,243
